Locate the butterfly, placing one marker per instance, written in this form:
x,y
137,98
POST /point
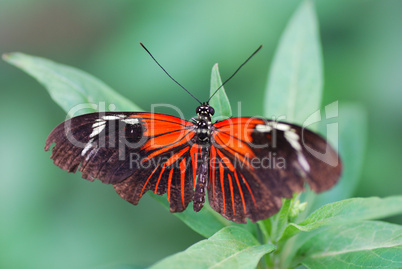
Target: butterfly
x,y
245,164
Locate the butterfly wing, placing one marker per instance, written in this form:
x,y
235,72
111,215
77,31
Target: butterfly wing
x,y
135,152
255,162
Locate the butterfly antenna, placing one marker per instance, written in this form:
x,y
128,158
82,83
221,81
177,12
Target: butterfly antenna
x,y
235,72
168,73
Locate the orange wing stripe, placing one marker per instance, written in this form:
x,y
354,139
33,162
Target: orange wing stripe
x,y
169,184
175,157
159,178
236,141
155,124
222,185
240,155
167,139
249,190
232,169
146,182
226,161
166,147
212,169
241,192
231,194
238,121
194,155
182,176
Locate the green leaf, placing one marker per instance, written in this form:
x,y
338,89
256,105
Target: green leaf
x,y
74,90
295,80
231,247
280,219
370,244
347,211
219,101
70,87
205,222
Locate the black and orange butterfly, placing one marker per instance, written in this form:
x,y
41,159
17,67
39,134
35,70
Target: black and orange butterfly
x,y
246,164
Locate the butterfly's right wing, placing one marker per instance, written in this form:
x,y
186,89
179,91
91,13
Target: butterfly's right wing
x,y
255,162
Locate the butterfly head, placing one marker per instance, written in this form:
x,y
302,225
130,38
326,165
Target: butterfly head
x,y
205,110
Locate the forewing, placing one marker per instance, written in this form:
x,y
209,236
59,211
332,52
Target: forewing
x,y
135,152
255,162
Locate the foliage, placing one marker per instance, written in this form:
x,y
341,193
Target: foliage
x,y
336,235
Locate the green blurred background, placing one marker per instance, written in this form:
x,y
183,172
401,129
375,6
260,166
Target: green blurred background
x,y
52,219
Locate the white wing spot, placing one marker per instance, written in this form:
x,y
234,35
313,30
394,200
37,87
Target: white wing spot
x,y
92,152
263,128
112,117
303,162
282,127
291,135
131,121
87,147
98,123
293,140
97,130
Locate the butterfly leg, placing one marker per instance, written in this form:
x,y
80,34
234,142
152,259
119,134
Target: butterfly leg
x,y
199,194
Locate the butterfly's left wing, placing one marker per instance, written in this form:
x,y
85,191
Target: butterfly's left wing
x,y
135,152
255,162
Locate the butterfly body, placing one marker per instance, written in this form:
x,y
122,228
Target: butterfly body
x,y
203,138
204,124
